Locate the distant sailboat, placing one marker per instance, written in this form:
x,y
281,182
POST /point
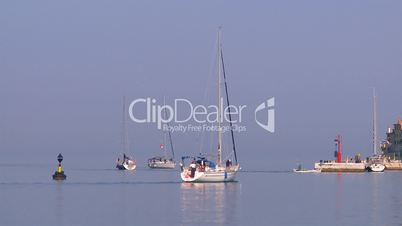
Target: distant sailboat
x,y
300,169
125,162
202,169
166,161
377,159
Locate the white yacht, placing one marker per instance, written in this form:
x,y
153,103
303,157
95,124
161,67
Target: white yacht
x,y
201,169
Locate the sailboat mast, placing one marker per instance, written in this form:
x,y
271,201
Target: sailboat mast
x,y
374,123
170,140
164,144
228,104
164,133
168,132
219,102
124,128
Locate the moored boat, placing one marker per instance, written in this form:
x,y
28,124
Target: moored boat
x,y
376,167
389,164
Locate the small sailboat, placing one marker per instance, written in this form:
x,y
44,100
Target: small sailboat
x,y
375,164
202,169
161,163
165,161
125,162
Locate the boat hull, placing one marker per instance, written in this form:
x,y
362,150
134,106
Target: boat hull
x,y
307,171
128,165
210,175
376,168
162,165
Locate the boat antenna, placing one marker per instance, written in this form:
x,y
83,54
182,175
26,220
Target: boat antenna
x,y
227,100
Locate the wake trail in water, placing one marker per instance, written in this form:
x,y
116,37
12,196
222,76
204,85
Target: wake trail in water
x,y
89,183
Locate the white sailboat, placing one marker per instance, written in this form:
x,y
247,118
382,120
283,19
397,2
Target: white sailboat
x,y
158,162
376,161
166,161
125,162
202,169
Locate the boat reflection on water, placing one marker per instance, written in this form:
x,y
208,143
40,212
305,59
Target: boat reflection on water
x,y
213,203
59,210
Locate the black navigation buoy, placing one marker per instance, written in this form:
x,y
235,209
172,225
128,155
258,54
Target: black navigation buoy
x,y
59,174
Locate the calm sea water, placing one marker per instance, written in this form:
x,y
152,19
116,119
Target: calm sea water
x,y
157,197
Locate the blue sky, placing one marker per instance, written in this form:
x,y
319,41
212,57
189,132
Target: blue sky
x,y
65,65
